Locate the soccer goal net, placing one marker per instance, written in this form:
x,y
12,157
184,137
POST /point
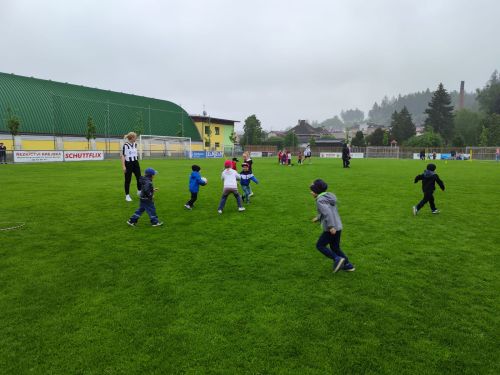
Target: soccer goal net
x,y
382,152
158,146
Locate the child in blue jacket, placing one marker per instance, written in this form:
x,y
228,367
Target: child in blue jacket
x,y
247,176
195,180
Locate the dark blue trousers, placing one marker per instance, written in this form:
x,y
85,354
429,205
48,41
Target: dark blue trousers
x,y
334,252
149,207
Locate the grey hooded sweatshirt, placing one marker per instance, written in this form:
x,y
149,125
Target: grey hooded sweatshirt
x,y
326,203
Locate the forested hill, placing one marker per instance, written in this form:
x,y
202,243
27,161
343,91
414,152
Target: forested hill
x,y
416,103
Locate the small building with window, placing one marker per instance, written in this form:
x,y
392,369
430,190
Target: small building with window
x,y
216,133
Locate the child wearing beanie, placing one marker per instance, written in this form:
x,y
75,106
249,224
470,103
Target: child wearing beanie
x,y
328,215
429,179
195,180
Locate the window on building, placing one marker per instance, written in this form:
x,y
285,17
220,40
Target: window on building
x,y
217,144
207,144
216,130
207,129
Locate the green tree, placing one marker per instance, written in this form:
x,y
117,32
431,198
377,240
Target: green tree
x,y
332,123
402,126
458,141
279,142
467,126
233,138
489,96
491,129
440,114
13,124
376,138
139,124
359,139
291,139
385,140
428,139
312,141
352,116
208,136
483,137
252,131
90,131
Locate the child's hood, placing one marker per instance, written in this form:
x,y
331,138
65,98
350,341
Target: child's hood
x,y
327,198
428,173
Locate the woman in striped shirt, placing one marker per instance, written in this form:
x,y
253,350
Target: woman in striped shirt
x,y
130,164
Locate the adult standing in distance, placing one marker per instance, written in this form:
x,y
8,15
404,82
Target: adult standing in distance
x,y
130,164
307,154
3,154
346,155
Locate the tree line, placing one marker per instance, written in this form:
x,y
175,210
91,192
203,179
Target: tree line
x,y
477,124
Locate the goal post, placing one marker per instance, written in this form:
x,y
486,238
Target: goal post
x,y
160,147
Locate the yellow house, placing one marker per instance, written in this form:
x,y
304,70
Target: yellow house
x,y
215,133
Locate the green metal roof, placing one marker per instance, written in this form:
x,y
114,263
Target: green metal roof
x,y
48,107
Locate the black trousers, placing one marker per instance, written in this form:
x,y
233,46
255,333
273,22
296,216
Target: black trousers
x,y
194,197
132,167
345,162
3,157
428,197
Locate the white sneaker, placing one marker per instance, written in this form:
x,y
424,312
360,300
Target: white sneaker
x,y
187,206
139,193
127,198
241,209
250,194
414,209
219,211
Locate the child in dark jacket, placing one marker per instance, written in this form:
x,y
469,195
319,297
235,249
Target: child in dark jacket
x,y
195,180
328,215
147,203
429,179
247,176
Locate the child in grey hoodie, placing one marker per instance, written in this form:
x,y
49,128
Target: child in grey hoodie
x,y
326,204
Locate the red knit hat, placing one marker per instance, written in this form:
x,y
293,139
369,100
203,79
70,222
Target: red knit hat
x,y
228,164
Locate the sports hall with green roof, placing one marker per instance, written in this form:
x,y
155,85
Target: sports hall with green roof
x,y
56,109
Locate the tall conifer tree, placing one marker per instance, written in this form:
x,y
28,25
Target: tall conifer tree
x,y
440,114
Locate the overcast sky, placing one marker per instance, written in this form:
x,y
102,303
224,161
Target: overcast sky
x,y
282,60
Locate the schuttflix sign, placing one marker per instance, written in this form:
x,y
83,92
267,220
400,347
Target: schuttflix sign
x,y
50,156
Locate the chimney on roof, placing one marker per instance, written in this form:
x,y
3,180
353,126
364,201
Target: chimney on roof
x,y
462,94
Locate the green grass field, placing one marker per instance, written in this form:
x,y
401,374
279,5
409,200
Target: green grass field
x,y
81,292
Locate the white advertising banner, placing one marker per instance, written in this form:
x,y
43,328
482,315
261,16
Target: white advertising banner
x,y
50,156
338,155
83,155
37,156
255,154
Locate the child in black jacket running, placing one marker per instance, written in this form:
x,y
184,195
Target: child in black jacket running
x,y
429,179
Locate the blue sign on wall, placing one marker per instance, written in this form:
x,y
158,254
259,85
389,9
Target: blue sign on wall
x,y
215,154
198,154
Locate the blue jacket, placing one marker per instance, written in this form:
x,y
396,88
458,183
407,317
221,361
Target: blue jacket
x,y
246,177
195,181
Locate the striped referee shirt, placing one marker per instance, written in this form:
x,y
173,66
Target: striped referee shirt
x,y
129,151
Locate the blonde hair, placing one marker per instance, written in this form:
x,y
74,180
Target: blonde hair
x,y
130,135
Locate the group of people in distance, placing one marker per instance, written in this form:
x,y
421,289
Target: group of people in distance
x,y
285,156
328,242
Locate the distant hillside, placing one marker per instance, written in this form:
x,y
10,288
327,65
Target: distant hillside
x,y
416,103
